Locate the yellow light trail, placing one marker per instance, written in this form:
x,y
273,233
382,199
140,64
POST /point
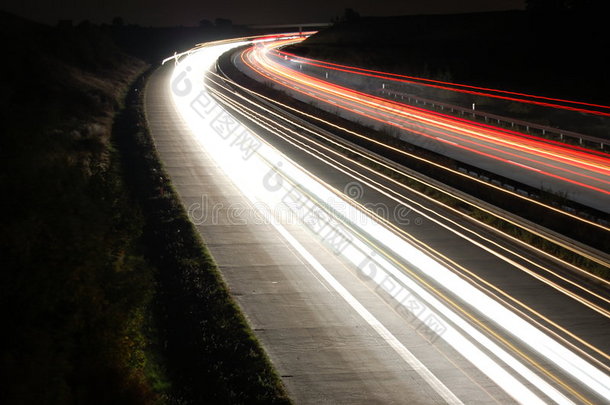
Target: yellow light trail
x,y
437,292
401,200
456,172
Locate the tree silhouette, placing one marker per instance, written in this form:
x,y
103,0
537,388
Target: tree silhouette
x,y
350,14
223,23
118,21
207,24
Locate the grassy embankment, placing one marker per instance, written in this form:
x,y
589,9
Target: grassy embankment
x,y
211,353
107,292
75,285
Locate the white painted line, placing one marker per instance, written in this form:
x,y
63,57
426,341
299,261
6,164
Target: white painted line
x,y
383,332
446,141
525,166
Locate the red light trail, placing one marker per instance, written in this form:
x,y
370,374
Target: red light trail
x,y
462,88
570,164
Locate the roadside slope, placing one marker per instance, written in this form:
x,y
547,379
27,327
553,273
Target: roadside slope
x,y
108,293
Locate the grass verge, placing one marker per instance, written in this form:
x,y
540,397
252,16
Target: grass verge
x,y
106,292
211,354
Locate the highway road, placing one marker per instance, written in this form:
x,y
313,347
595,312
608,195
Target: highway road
x,y
583,175
361,289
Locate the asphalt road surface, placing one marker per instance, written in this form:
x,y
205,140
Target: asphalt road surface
x,y
354,308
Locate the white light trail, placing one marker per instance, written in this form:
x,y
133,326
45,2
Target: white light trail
x,y
249,182
198,109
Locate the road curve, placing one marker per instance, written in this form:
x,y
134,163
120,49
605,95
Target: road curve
x,y
583,176
344,316
325,351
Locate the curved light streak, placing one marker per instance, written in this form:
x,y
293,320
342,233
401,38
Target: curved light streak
x,y
541,343
344,95
475,90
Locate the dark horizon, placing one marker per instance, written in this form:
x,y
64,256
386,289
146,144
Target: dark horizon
x,y
189,12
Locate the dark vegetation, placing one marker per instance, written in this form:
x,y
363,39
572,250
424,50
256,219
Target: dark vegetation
x,y
555,50
107,293
572,228
211,353
106,290
74,285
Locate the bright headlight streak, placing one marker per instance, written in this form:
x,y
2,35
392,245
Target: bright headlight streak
x,y
248,181
361,136
209,142
488,343
494,371
426,248
568,366
365,181
412,204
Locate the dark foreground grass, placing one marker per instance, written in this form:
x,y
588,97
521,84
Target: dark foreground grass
x,y
211,353
75,290
106,293
75,287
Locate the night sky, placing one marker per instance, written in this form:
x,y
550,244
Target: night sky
x,y
190,12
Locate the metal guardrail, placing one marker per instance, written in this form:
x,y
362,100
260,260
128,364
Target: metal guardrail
x,y
604,144
491,118
578,247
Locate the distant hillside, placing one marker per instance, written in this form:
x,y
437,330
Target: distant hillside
x,y
52,76
558,55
